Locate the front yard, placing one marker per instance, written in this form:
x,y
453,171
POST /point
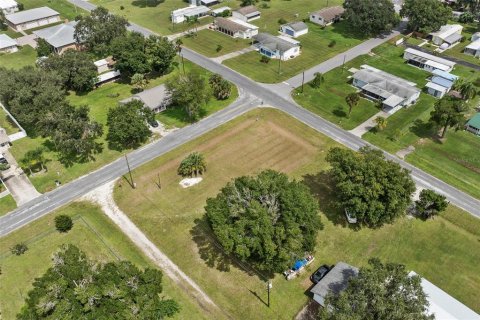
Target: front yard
x,y
317,46
207,42
265,138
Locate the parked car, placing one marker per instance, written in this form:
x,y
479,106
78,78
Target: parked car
x,y
153,124
320,273
351,217
3,160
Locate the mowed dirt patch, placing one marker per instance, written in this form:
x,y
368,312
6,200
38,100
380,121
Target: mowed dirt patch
x,y
171,216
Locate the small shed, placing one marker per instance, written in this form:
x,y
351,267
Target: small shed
x,y
473,125
334,282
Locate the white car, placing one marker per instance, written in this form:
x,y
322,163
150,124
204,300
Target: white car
x,y
351,218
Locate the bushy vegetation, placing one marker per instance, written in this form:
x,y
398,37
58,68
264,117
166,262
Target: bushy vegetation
x,y
63,223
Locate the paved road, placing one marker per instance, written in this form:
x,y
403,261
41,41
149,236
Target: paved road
x,y
71,191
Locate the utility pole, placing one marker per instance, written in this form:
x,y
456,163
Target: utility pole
x,y
343,65
303,79
130,172
183,63
269,287
279,62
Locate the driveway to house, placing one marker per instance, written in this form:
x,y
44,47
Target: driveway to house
x,y
27,40
17,181
363,128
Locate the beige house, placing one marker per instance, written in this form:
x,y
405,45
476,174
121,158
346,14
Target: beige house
x,y
327,16
246,14
33,18
235,28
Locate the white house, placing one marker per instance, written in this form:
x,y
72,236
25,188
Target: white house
x,y
156,99
440,83
294,29
8,6
394,92
279,47
427,61
327,16
475,36
335,281
7,44
449,34
247,13
235,28
33,18
219,11
183,14
474,47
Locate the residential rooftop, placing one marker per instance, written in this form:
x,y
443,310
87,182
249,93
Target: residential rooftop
x,y
31,15
58,36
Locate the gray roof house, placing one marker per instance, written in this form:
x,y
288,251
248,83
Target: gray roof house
x,y
156,99
247,13
392,91
335,281
294,29
279,47
60,37
33,18
8,44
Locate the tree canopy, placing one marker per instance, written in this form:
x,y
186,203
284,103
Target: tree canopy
x,y
265,220
380,291
370,17
76,68
97,30
128,125
425,15
221,88
448,112
77,288
375,190
430,204
193,164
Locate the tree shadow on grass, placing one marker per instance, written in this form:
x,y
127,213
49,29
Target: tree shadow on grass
x,y
147,3
422,129
339,112
321,186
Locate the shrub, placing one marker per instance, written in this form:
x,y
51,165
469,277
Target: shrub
x,y
122,7
219,48
264,59
282,21
264,5
63,223
332,44
19,249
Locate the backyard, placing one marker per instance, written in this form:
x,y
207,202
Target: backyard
x,y
99,101
93,233
318,45
267,138
25,56
207,42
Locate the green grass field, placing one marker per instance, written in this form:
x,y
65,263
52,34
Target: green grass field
x,y
207,41
93,233
7,204
99,101
26,56
266,138
7,123
315,49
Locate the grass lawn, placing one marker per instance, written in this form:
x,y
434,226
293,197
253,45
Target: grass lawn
x,y
26,56
172,219
207,41
11,33
99,101
93,233
315,49
7,204
414,41
7,123
65,8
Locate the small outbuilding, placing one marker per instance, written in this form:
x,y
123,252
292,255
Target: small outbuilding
x,y
449,34
33,18
247,13
327,16
334,282
473,125
7,44
294,29
8,6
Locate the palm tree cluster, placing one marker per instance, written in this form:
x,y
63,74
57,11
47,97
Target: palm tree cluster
x,y
193,164
467,89
221,88
33,158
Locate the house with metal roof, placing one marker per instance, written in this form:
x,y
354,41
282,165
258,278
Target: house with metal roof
x,y
394,92
156,99
219,11
327,16
33,18
60,37
334,282
440,83
277,47
449,33
427,61
8,6
473,125
247,13
7,44
235,28
473,48
181,15
294,29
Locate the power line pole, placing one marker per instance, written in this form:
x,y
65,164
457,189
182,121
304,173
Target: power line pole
x,y
130,172
269,287
303,79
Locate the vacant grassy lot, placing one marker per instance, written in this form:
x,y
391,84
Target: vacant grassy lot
x,y
265,138
25,56
7,204
65,8
316,48
100,101
7,123
93,233
207,41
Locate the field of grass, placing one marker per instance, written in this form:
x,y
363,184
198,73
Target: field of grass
x,y
207,41
265,138
93,233
65,8
25,56
6,123
11,33
7,204
99,101
315,49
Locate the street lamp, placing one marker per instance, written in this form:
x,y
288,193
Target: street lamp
x,y
269,287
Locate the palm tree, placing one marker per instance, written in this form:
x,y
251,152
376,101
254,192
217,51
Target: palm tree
x,y
468,90
318,80
381,123
352,100
178,45
193,164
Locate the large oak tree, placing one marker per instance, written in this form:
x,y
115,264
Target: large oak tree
x,y
370,17
425,15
